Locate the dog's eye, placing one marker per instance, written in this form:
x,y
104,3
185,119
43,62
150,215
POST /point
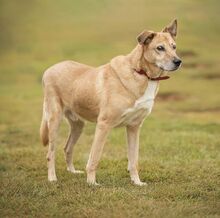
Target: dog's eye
x,y
160,48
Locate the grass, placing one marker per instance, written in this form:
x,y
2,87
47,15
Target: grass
x,y
180,147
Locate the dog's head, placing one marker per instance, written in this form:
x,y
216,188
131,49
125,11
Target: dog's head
x,y
160,48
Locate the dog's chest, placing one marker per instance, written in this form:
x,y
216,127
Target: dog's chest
x,y
142,107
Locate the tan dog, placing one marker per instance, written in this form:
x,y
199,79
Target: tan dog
x,y
119,93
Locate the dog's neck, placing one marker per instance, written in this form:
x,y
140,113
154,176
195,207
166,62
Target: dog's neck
x,y
126,66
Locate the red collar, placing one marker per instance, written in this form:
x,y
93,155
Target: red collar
x,y
142,72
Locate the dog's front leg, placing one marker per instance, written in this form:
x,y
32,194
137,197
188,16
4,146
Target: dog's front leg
x,y
101,132
133,152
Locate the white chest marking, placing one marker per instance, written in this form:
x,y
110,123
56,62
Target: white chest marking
x,y
142,106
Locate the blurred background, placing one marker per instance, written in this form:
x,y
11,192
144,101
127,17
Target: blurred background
x,y
38,33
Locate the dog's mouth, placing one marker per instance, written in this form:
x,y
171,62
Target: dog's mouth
x,y
168,69
174,69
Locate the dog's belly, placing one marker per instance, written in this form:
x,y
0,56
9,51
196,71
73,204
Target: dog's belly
x,y
142,107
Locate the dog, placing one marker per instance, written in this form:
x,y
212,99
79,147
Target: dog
x,y
119,93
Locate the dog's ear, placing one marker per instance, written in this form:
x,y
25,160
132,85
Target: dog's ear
x,y
171,28
145,37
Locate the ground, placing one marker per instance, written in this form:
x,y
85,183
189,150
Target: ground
x,y
179,144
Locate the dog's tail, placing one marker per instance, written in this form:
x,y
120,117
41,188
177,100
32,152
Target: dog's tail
x,y
44,131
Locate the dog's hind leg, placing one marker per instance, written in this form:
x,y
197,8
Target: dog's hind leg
x,y
76,128
54,116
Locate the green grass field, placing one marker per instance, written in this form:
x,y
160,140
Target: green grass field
x,y
180,144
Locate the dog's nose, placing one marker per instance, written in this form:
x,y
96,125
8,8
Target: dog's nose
x,y
177,61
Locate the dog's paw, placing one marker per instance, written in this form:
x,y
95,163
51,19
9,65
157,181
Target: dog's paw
x,y
93,184
78,171
52,179
140,183
75,171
